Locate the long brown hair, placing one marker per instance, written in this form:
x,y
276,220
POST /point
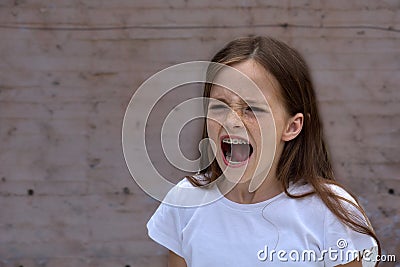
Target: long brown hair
x,y
305,158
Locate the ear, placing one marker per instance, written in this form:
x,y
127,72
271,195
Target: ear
x,y
293,128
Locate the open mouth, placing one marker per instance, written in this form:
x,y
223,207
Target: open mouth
x,y
236,151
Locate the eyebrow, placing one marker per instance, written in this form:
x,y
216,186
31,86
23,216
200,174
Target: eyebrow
x,y
250,101
254,102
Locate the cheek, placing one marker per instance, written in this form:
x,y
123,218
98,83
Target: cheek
x,y
279,127
266,135
212,128
280,117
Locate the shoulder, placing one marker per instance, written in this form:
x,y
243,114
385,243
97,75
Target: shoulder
x,y
336,234
179,206
170,209
341,192
185,194
329,190
348,237
185,183
332,197
346,202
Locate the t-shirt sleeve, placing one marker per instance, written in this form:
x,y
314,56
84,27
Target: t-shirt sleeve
x,y
164,227
341,243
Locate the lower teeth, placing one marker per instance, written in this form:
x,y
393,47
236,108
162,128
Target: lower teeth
x,y
228,158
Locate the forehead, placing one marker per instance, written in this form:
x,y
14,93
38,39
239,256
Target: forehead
x,y
266,87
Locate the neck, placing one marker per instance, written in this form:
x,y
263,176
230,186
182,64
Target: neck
x,y
240,193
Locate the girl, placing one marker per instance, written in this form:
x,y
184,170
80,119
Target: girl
x,y
298,214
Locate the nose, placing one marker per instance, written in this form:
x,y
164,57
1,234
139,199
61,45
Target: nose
x,y
233,120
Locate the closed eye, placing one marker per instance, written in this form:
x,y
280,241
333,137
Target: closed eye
x,y
255,109
215,107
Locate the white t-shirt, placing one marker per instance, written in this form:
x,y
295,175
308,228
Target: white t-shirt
x,y
279,231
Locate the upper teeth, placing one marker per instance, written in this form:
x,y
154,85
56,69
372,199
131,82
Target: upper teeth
x,y
235,141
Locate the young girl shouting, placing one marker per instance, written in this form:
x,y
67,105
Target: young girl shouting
x,y
281,210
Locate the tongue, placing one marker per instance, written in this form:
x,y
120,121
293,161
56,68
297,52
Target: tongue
x,y
240,153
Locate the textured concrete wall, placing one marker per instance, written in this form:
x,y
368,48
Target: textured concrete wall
x,y
69,68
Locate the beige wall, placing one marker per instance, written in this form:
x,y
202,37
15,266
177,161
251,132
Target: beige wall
x,y
66,196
